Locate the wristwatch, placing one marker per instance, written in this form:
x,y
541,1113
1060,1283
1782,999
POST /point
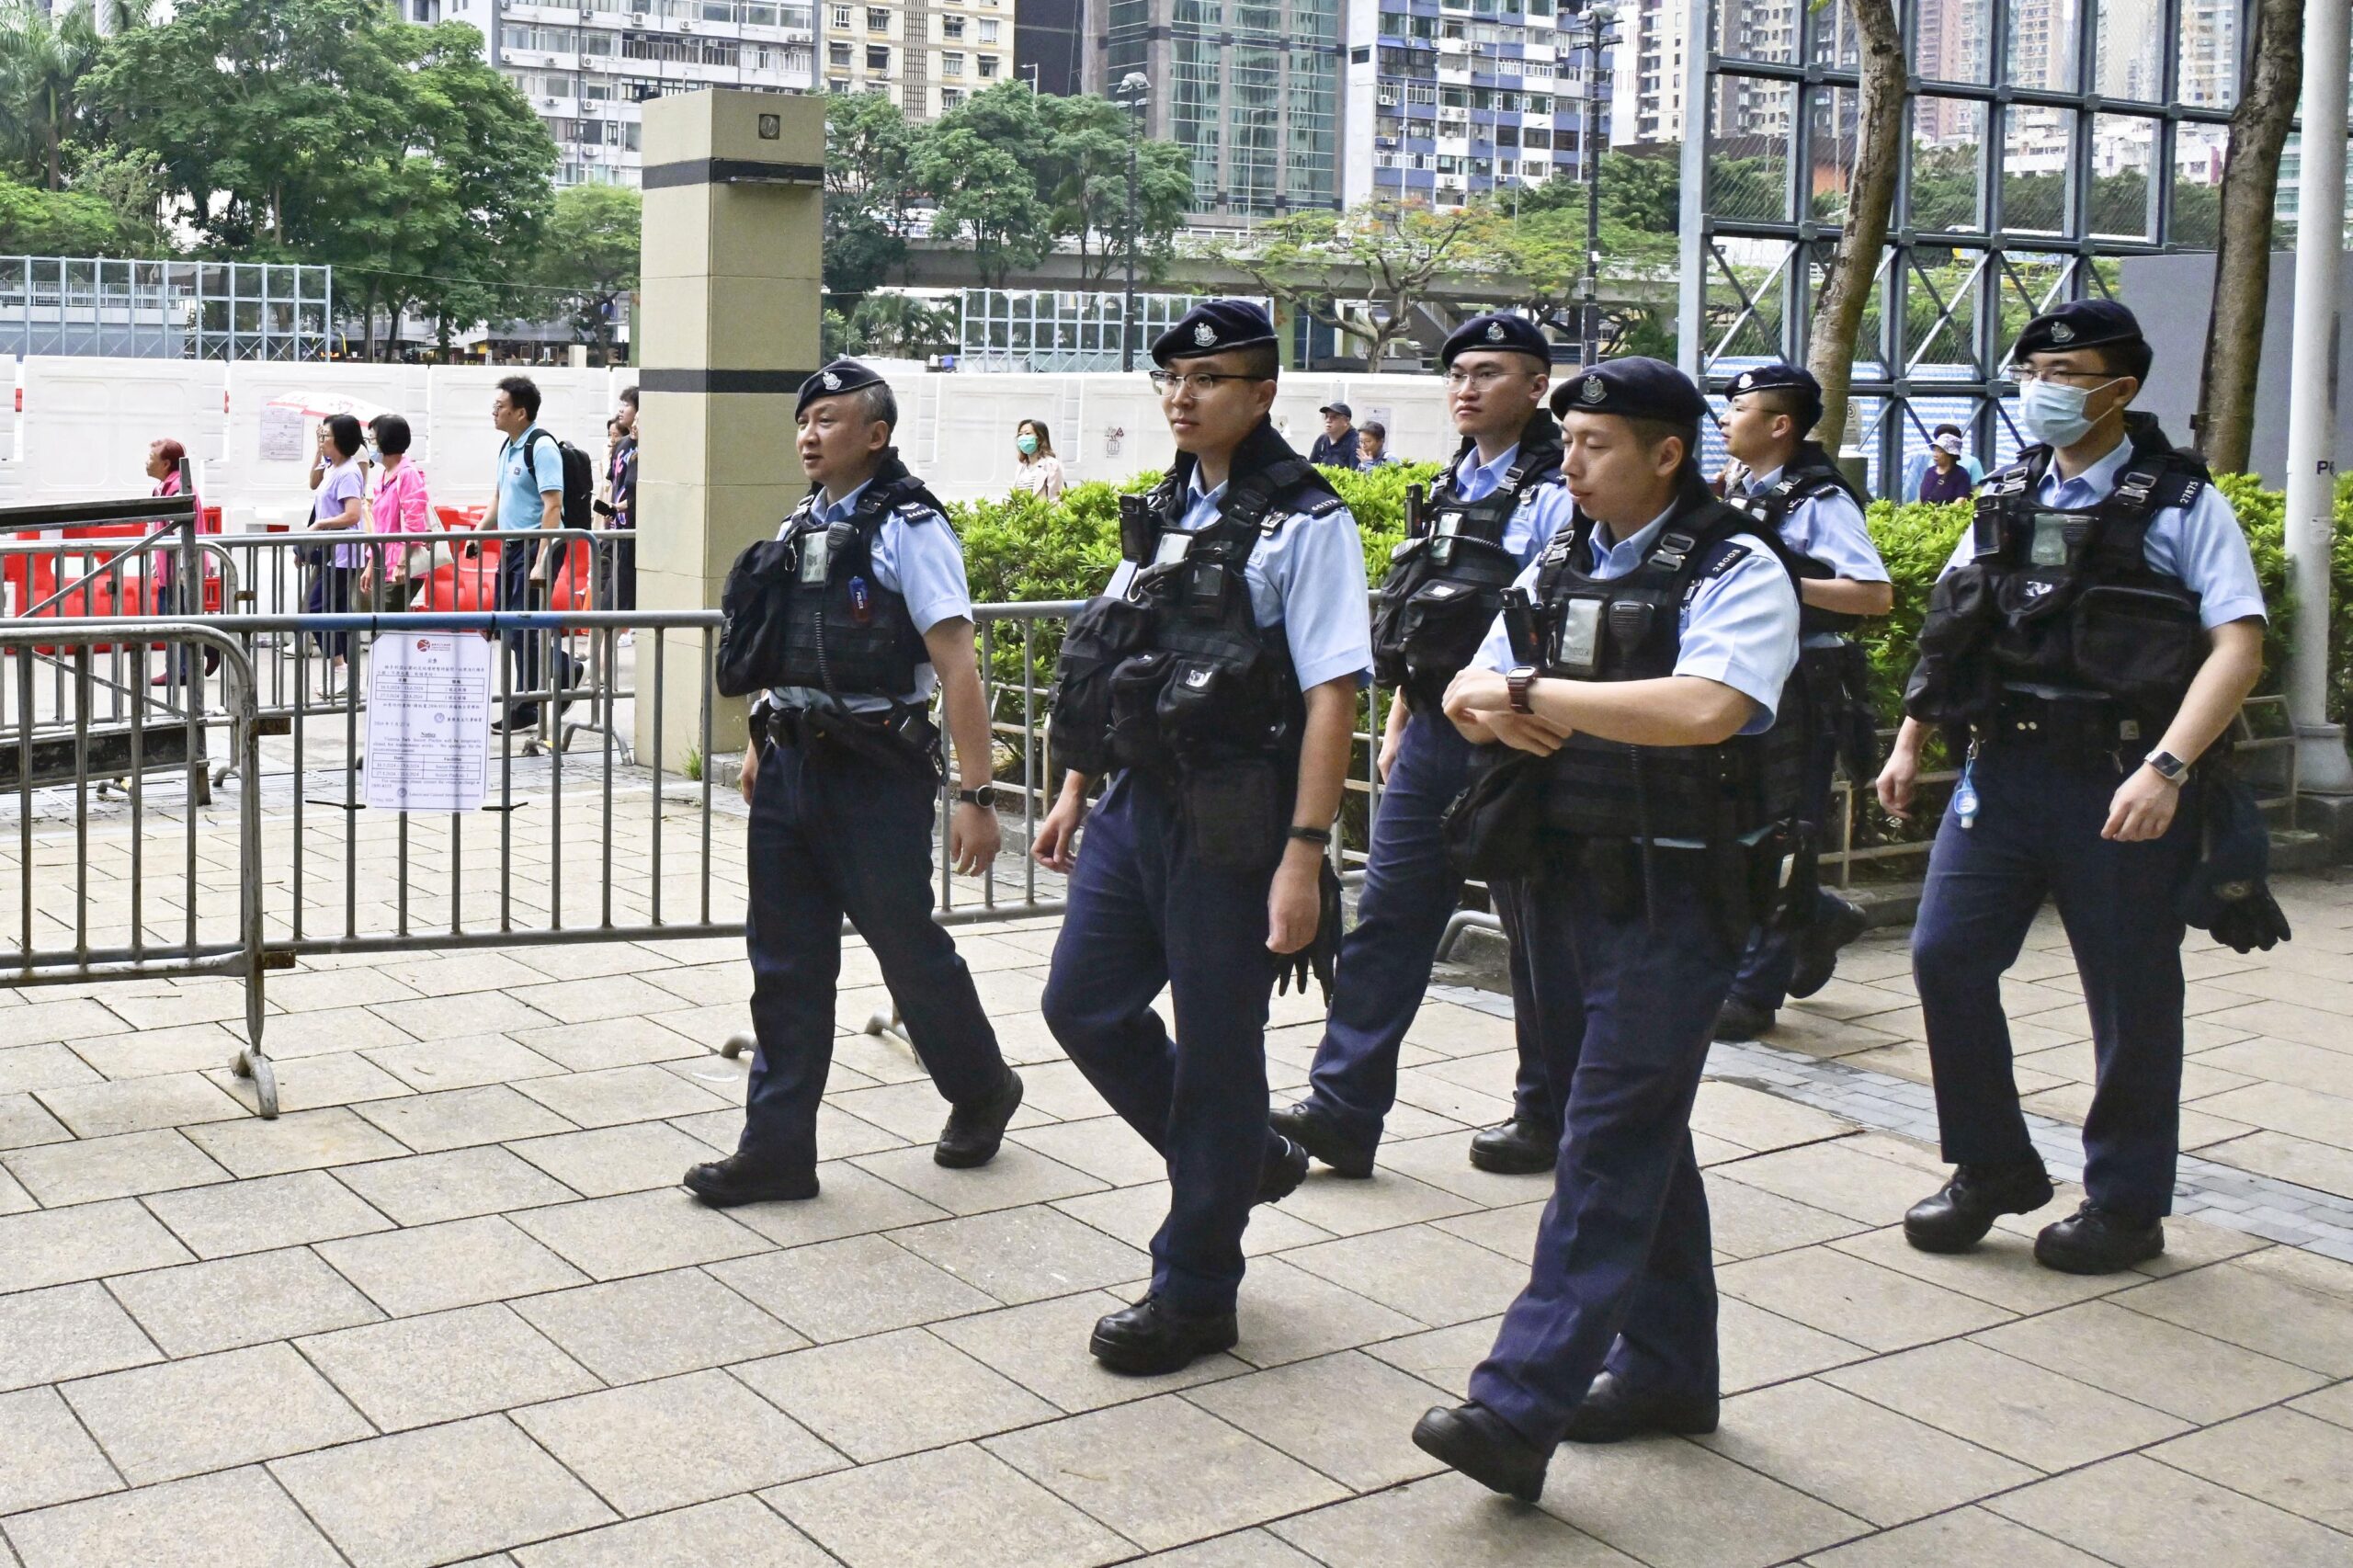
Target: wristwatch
x,y
1516,682
984,797
2170,768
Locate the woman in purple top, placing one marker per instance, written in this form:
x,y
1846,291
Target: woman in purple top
x,y
1946,478
335,508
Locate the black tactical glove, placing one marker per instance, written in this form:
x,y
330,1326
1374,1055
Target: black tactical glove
x,y
2250,922
1321,955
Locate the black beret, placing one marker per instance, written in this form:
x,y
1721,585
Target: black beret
x,y
1500,331
1212,327
1781,375
2079,324
1634,388
841,375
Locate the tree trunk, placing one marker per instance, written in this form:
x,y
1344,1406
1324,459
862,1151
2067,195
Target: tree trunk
x,y
1883,117
2225,421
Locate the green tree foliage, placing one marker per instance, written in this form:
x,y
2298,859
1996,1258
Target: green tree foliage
x,y
45,60
894,326
590,252
870,186
1399,247
34,221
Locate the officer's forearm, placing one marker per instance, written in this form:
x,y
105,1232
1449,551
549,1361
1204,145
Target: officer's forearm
x,y
957,662
1909,736
1323,751
2234,663
1847,595
1672,711
1398,713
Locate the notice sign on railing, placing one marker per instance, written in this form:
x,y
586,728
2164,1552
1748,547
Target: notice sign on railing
x,y
429,721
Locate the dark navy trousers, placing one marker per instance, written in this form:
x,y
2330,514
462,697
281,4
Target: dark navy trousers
x,y
836,834
1144,912
1623,1276
1770,958
1409,893
2038,833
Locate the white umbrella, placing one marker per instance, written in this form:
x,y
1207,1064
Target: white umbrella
x,y
319,405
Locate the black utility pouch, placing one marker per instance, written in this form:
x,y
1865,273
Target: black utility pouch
x,y
1136,740
1493,831
2140,645
1105,631
1233,815
1204,705
755,603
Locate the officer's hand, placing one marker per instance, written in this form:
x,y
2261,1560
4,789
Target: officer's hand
x,y
1477,693
1295,902
1526,732
973,839
751,771
2141,808
1391,743
1056,844
1896,783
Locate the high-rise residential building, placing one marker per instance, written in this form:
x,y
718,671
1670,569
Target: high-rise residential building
x,y
1948,45
2210,51
929,55
1050,46
1450,99
1646,88
1251,89
587,67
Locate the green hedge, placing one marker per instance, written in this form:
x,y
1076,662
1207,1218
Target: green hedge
x,y
1022,547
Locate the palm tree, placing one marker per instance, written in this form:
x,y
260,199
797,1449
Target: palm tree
x,y
42,62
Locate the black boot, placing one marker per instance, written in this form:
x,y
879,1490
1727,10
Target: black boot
x,y
1285,1168
1153,1338
2099,1241
1520,1147
1308,1125
1956,1216
1737,1019
1482,1445
723,1184
1818,945
974,1130
1612,1412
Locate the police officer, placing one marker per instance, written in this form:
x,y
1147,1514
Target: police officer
x,y
1490,514
843,790
1216,682
2092,637
1663,633
1789,485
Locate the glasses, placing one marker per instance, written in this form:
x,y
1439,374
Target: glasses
x,y
1482,378
2027,375
1169,383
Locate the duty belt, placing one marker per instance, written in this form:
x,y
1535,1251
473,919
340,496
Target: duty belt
x,y
2076,727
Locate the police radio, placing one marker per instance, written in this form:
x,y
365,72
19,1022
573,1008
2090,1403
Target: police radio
x,y
1519,626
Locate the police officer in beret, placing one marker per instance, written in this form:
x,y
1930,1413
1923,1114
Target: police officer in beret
x,y
2091,638
844,777
1489,515
1789,485
1664,630
1215,682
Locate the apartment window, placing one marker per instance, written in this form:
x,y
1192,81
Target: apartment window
x,y
988,29
951,28
1535,136
838,56
1421,93
951,65
554,40
988,67
838,85
1453,30
838,17
950,97
1453,97
878,58
878,21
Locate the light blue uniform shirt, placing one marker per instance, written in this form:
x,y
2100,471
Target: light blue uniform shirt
x,y
1306,577
921,562
1739,629
2200,545
1831,529
1542,511
522,481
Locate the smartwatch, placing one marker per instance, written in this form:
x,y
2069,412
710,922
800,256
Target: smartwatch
x,y
2170,768
1516,683
984,797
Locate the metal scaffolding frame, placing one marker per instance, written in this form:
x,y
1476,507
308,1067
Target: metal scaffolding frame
x,y
164,309
1949,298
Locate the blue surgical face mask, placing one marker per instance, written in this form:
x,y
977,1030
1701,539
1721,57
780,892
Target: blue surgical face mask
x,y
1026,445
2053,414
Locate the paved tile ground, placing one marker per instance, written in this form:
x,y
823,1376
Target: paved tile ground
x,y
451,1307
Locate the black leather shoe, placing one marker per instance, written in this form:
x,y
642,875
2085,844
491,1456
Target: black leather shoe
x,y
1737,1019
1520,1147
1818,945
1612,1412
1285,1168
2099,1241
1478,1442
1153,1338
1956,1216
725,1184
1308,1125
973,1131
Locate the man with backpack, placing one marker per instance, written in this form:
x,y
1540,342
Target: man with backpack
x,y
541,483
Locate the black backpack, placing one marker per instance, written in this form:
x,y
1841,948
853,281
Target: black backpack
x,y
579,480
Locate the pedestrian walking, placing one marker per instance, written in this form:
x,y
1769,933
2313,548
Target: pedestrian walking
x,y
400,503
335,508
1041,473
528,492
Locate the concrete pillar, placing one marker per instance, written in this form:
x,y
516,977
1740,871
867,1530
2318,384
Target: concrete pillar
x,y
729,315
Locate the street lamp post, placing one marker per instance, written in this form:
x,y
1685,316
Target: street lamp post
x,y
1132,88
1597,19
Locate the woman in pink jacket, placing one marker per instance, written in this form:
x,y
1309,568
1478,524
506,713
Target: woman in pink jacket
x,y
399,503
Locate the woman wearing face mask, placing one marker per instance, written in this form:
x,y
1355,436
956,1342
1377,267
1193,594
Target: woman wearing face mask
x,y
1040,473
335,508
397,505
1945,479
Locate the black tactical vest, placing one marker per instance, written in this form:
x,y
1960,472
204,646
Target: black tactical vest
x,y
807,609
1446,577
1808,474
2064,602
1176,674
1627,629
